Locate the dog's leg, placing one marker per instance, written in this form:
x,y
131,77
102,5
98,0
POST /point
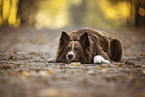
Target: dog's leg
x,y
100,59
101,56
116,50
51,60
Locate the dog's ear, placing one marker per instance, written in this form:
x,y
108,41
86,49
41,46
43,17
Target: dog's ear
x,y
84,40
64,39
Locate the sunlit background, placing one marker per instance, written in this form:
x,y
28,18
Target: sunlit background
x,y
56,14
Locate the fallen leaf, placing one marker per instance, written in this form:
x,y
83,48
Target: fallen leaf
x,y
50,71
137,65
129,63
11,58
137,84
11,52
130,76
90,71
42,73
17,64
105,71
120,64
25,74
99,67
15,74
23,53
143,71
115,63
61,63
6,67
104,65
140,95
33,53
75,63
143,65
48,92
42,57
2,94
128,54
142,54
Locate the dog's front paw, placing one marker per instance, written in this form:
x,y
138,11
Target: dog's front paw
x,y
51,59
100,59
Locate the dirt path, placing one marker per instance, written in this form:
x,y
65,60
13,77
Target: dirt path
x,y
25,72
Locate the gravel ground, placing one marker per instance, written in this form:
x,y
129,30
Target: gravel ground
x,y
25,71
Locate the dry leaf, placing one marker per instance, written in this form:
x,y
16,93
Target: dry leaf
x,y
143,65
25,74
137,65
129,63
48,92
99,67
105,71
17,64
33,53
120,65
50,71
143,71
130,76
6,67
42,73
90,71
128,54
75,63
11,58
42,57
115,63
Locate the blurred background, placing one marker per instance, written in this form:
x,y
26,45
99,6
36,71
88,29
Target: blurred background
x,y
56,14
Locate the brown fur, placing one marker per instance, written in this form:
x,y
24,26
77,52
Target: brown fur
x,y
89,43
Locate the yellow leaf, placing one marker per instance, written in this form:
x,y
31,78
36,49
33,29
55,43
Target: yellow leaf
x,y
76,63
105,71
25,74
43,73
50,71
143,71
128,54
52,92
99,67
119,64
143,65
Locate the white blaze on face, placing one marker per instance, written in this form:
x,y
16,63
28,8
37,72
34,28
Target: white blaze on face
x,y
71,53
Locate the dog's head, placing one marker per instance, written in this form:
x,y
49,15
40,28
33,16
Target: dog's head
x,y
71,50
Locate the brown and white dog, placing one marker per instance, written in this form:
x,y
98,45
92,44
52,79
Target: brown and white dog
x,y
88,46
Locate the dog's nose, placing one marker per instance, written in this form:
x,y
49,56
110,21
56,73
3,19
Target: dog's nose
x,y
70,56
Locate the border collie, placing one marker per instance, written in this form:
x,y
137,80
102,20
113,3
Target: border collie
x,y
88,45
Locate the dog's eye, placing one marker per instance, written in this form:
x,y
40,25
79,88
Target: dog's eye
x,y
76,49
68,48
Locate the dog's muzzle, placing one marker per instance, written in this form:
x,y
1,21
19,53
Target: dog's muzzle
x,y
70,56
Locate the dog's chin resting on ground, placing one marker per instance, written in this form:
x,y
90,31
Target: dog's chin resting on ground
x,y
88,45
